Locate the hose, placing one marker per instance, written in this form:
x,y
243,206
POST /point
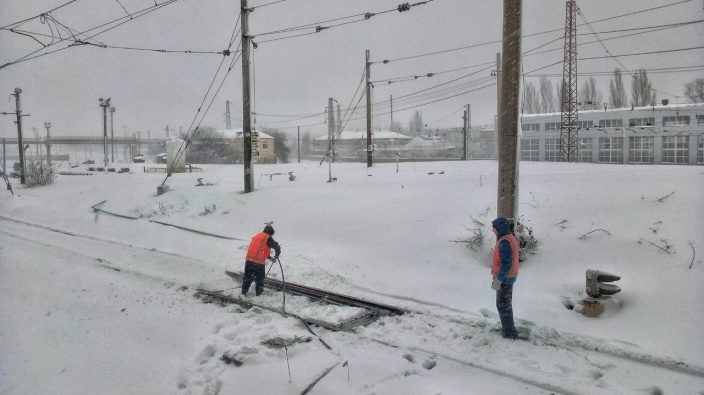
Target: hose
x,y
283,280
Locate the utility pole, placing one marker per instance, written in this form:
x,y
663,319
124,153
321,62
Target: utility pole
x,y
47,125
299,144
569,146
464,134
508,117
498,92
468,129
339,121
104,104
112,134
369,115
246,111
20,144
167,131
331,137
391,101
228,120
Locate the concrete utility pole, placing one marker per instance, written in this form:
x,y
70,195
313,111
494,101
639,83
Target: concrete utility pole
x,y
331,137
464,134
20,144
246,111
508,117
468,129
47,125
228,120
339,121
369,115
391,101
299,144
104,104
112,134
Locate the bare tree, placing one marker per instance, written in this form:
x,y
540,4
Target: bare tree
x,y
547,99
559,89
694,90
531,100
642,92
415,124
617,93
590,96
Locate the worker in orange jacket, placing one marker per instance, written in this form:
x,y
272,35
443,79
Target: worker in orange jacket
x,y
504,271
258,252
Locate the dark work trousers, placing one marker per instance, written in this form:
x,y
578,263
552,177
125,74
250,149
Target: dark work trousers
x,y
253,272
504,301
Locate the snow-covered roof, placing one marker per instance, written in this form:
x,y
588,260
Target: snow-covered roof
x,y
358,135
432,142
658,107
237,133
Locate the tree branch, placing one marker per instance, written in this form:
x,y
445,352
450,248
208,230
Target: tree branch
x,y
662,199
584,236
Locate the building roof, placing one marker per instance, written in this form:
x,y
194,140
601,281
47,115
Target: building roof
x,y
658,107
359,135
237,133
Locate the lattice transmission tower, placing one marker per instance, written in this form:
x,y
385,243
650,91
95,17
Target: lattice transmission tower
x,y
569,142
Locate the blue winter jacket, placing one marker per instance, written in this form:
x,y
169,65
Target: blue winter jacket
x,y
503,227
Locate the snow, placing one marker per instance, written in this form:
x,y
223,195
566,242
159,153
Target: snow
x,y
110,306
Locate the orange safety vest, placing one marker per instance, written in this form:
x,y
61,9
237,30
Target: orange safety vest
x,y
513,273
258,249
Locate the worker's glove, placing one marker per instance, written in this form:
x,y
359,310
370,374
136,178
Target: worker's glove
x,y
496,284
273,259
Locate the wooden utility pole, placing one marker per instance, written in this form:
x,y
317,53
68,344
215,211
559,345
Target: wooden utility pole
x,y
20,144
369,115
47,125
498,92
246,111
508,116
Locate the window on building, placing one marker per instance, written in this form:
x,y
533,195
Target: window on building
x,y
552,150
641,149
550,126
678,120
585,150
675,149
265,145
700,151
530,150
585,124
611,149
641,121
611,123
700,120
530,127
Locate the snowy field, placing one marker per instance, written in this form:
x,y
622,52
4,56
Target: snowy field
x,y
94,303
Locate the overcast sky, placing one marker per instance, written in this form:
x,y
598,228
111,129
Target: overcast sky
x,y
295,76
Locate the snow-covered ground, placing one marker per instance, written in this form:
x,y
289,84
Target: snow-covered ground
x,y
93,303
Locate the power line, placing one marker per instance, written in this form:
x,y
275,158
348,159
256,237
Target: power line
x,y
663,70
643,53
319,26
37,16
385,61
266,4
124,20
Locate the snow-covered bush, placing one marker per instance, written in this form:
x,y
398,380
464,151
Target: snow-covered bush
x,y
39,173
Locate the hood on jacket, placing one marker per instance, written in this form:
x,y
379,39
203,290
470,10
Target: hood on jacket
x,y
502,226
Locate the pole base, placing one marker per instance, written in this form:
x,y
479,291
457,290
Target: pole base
x,y
162,189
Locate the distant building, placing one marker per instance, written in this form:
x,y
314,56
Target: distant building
x,y
662,134
353,145
265,152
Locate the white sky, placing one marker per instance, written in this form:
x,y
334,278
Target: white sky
x,y
296,76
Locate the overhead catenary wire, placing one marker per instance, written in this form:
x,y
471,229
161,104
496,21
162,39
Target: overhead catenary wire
x,y
319,26
121,20
386,61
38,16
